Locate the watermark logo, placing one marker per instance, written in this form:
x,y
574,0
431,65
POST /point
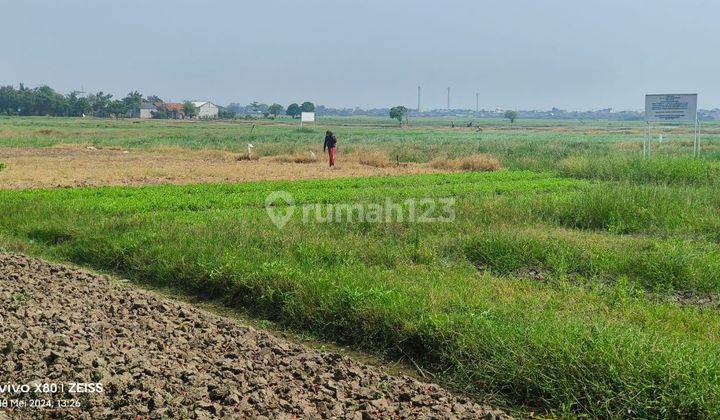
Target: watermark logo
x,y
273,202
280,206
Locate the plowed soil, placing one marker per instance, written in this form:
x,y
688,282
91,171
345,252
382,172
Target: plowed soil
x,y
157,358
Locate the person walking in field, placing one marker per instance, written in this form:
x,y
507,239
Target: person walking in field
x,y
330,142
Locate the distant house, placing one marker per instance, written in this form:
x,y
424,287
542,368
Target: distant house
x,y
206,109
175,110
145,111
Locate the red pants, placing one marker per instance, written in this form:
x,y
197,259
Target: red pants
x,y
331,155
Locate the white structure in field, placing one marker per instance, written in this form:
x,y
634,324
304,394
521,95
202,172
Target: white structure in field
x,y
670,108
206,109
307,117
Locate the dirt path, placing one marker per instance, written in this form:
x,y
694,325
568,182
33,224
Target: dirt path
x,y
157,357
74,166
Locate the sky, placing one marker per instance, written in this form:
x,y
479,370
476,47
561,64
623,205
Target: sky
x,y
518,54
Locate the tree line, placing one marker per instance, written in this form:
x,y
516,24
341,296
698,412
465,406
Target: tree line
x,y
44,100
256,108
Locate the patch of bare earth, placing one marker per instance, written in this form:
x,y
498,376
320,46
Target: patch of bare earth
x,y
690,298
73,166
158,358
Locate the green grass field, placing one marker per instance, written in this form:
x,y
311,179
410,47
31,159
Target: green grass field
x,y
536,145
555,287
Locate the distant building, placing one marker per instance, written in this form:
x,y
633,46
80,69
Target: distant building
x,y
145,111
175,110
206,109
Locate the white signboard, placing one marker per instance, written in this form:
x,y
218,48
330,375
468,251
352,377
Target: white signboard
x,y
307,117
671,108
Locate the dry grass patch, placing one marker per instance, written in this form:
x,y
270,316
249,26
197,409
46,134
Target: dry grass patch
x,y
244,156
307,157
574,164
372,157
78,166
6,134
474,163
628,145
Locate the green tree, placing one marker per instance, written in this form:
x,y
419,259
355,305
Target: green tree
x,y
511,115
133,100
226,114
160,113
307,107
45,101
8,100
78,105
24,103
100,104
398,112
118,108
293,110
189,109
255,106
275,109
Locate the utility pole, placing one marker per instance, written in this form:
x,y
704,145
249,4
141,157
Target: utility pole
x,y
477,101
448,104
419,109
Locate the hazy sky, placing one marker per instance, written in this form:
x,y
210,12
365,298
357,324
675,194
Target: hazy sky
x,y
525,54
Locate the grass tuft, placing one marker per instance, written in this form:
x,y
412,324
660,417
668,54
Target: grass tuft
x,y
659,170
246,157
472,163
372,157
307,157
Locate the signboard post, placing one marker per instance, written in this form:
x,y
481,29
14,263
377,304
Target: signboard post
x,y
307,117
671,108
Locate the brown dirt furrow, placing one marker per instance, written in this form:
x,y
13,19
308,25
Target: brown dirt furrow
x,y
158,358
